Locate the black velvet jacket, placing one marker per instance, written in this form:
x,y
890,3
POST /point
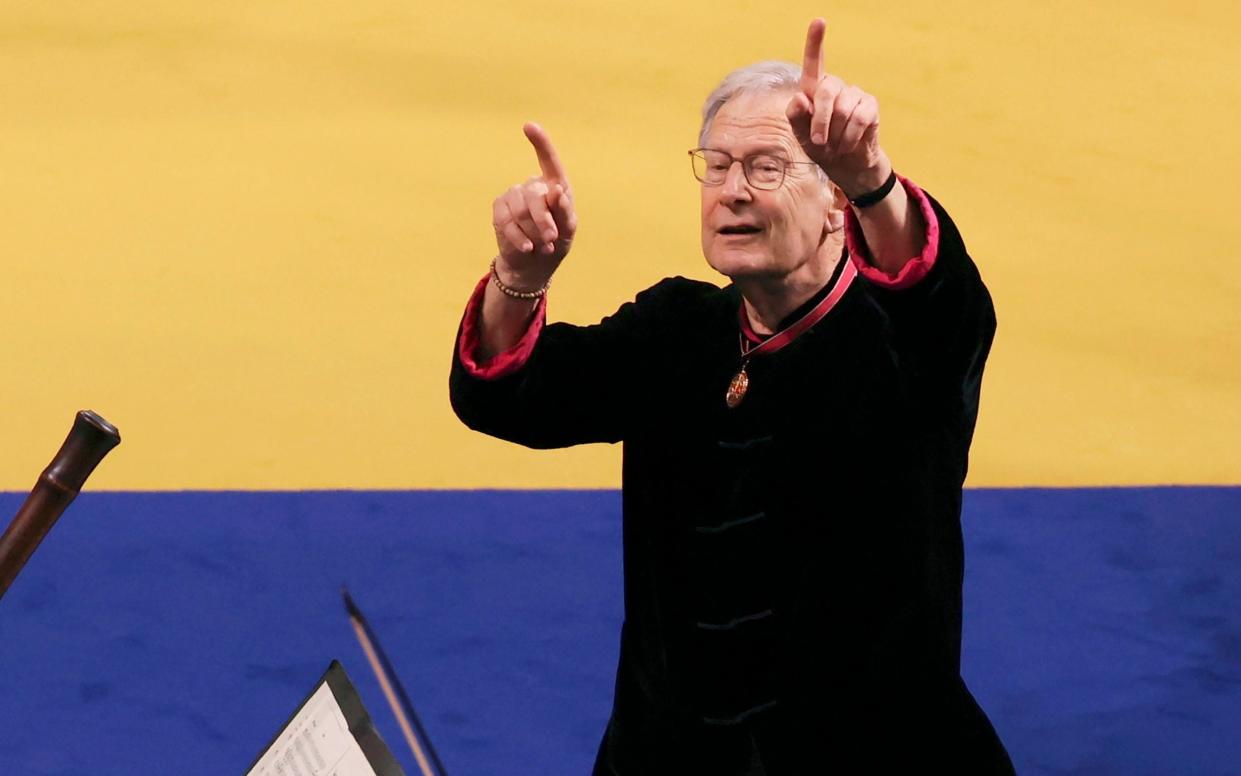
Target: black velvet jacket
x,y
793,566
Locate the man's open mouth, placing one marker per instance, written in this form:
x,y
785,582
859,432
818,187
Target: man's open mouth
x,y
743,229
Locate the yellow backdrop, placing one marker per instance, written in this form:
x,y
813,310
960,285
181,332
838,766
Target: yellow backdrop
x,y
244,231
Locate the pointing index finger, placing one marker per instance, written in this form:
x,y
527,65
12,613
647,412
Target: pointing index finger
x,y
812,59
549,162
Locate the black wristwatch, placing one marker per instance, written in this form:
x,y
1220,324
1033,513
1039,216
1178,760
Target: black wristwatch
x,y
876,196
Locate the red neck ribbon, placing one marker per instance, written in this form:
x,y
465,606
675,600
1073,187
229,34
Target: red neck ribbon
x,y
783,338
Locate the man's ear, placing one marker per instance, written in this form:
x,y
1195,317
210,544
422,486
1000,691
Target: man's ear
x,y
834,218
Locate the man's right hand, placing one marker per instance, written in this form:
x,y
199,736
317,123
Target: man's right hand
x,y
535,221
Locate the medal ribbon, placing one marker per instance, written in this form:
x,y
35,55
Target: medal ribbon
x,y
782,338
740,383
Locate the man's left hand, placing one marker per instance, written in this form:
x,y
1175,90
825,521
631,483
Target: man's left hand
x,y
836,123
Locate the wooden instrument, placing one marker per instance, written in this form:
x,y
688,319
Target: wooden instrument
x,y
88,442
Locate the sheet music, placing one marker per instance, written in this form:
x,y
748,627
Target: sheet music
x,y
316,743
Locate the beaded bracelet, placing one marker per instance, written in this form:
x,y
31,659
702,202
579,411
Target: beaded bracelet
x,y
508,291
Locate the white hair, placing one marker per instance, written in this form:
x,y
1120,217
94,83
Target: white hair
x,y
769,76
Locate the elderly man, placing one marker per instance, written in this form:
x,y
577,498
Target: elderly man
x,y
794,443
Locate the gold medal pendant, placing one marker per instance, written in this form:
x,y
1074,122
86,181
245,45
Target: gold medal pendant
x,y
737,388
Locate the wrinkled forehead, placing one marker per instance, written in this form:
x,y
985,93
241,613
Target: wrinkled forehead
x,y
754,121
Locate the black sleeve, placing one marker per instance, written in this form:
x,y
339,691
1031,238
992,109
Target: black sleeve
x,y
942,329
581,383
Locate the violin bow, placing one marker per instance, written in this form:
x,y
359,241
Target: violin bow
x,y
403,709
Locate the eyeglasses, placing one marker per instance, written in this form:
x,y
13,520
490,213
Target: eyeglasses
x,y
762,171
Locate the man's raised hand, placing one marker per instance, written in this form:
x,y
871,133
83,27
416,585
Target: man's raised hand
x,y
535,222
837,124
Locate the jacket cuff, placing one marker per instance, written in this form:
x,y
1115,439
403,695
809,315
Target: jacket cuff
x,y
916,267
501,364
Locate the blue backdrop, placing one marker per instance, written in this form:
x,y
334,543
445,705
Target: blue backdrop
x,y
158,633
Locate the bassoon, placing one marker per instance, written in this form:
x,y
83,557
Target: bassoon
x,y
88,442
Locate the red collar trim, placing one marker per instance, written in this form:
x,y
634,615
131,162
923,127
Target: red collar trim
x,y
782,338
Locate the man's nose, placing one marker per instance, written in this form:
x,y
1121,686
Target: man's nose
x,y
735,186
